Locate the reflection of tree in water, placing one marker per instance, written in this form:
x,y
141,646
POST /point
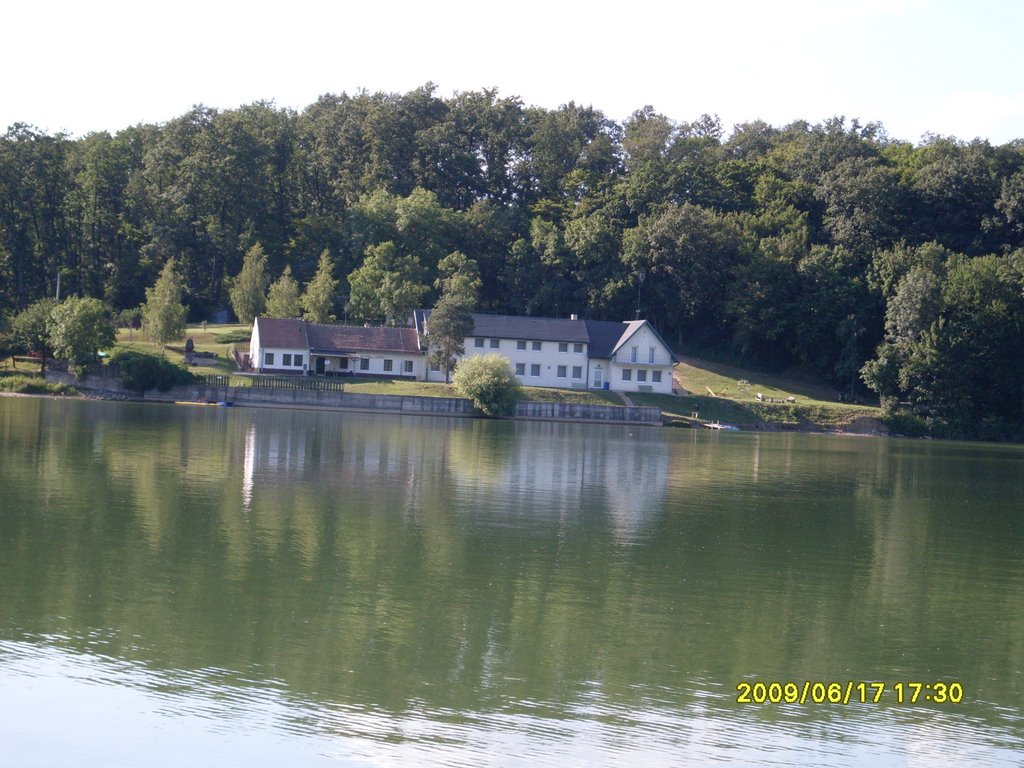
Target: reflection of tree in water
x,y
395,563
559,471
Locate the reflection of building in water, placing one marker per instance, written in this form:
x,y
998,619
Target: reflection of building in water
x,y
248,465
352,454
539,468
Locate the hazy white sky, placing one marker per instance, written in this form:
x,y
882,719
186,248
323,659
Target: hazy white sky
x,y
946,66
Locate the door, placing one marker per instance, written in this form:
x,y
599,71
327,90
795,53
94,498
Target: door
x,y
320,366
598,378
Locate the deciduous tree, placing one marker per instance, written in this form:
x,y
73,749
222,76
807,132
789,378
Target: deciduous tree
x,y
79,328
163,314
249,287
283,296
318,300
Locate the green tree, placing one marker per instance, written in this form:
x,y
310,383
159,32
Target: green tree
x,y
30,329
163,314
249,287
451,320
79,328
488,380
283,296
386,287
141,372
318,300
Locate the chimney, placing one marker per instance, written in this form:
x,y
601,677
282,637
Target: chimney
x,y
574,316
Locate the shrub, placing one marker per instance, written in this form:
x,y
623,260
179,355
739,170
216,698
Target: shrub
x,y
33,385
488,380
140,372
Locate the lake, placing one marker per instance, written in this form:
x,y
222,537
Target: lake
x,y
185,585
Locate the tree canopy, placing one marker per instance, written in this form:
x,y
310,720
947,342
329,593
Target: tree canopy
x,y
774,246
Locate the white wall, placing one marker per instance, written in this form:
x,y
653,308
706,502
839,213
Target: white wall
x,y
260,363
548,360
375,361
642,357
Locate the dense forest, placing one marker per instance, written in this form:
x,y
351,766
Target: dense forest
x,y
828,248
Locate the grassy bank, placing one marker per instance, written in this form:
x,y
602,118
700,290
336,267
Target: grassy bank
x,y
728,394
25,384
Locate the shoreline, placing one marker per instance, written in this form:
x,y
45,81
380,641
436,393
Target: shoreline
x,y
873,426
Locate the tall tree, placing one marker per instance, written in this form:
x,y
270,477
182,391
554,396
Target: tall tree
x,y
163,314
386,287
249,287
283,296
451,320
318,300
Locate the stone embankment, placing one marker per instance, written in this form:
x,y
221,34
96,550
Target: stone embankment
x,y
355,401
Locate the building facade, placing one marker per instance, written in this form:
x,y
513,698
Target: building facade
x,y
544,352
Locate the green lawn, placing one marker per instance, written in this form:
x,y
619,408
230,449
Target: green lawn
x,y
724,393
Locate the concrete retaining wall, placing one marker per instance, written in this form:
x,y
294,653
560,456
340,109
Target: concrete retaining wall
x,y
427,406
616,414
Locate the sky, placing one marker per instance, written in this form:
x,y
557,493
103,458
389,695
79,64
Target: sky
x,y
944,67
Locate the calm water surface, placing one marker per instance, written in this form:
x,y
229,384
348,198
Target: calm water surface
x,y
203,586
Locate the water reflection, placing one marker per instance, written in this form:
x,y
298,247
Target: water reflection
x,y
442,591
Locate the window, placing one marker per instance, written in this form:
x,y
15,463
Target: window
x,y
520,369
577,371
435,367
632,354
641,375
656,377
536,346
495,343
535,369
561,371
388,365
563,346
627,374
297,360
521,344
268,358
650,355
364,364
286,359
478,342
577,348
407,366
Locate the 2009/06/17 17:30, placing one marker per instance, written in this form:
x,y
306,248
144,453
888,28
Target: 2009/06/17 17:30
x,y
850,692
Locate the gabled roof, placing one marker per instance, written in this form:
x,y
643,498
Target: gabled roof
x,y
357,338
604,337
530,328
293,333
632,326
282,333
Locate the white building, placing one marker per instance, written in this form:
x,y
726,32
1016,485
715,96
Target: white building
x,y
544,352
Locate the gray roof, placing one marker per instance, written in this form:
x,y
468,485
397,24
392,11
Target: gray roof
x,y
293,333
602,336
327,339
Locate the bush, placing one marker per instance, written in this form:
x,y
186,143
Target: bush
x,y
33,385
488,380
140,372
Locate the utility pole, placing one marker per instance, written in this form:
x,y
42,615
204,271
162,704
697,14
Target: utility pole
x,y
639,284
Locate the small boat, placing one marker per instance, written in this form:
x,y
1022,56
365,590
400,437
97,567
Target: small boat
x,y
719,426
